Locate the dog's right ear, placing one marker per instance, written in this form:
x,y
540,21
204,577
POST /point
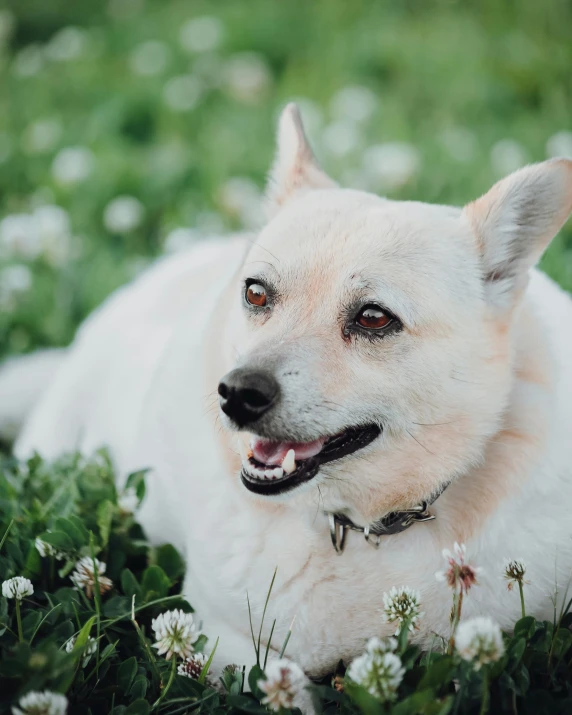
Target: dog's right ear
x,y
295,167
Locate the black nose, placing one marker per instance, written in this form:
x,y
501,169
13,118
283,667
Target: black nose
x,y
246,394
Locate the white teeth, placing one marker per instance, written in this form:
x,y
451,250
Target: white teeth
x,y
289,462
277,473
263,474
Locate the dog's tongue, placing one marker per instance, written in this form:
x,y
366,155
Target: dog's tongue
x,y
273,453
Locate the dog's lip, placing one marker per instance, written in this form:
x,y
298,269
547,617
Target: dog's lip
x,y
333,448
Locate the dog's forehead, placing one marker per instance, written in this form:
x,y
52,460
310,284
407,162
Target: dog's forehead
x,y
355,239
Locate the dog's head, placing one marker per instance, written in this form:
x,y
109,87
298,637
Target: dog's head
x,y
371,339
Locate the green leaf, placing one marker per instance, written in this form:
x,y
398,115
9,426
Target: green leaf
x,y
126,674
169,559
130,586
139,686
365,702
515,653
525,627
59,539
561,643
75,534
136,481
155,583
439,673
138,707
105,512
256,673
83,635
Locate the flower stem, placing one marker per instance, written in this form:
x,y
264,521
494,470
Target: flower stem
x,y
521,590
19,621
485,701
168,686
457,610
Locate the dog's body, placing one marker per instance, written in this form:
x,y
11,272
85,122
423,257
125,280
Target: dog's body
x,y
471,385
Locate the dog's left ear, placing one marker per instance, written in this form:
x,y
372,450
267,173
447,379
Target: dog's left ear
x,y
516,220
295,167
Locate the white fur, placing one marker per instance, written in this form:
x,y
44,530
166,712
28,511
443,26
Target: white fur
x,y
469,390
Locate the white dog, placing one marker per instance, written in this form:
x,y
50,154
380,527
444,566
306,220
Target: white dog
x,y
375,362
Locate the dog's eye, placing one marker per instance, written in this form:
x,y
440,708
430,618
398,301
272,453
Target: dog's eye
x,y
373,317
256,295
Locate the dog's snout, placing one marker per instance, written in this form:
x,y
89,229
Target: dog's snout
x,y
245,394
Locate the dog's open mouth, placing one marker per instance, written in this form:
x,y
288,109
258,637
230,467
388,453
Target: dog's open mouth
x,y
276,467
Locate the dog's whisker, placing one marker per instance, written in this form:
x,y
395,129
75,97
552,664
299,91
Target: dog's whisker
x,y
419,443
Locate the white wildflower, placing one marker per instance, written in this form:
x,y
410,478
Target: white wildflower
x,y
67,44
149,58
17,587
89,649
241,198
123,214
400,605
514,571
72,165
560,144
284,686
247,77
128,501
41,703
14,281
45,549
83,576
341,138
180,239
460,143
19,236
459,575
507,155
354,102
183,93
54,231
479,640
193,666
201,34
379,670
391,165
175,633
41,136
29,61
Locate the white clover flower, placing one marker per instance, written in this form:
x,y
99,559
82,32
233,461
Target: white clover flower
x,y
67,44
479,640
90,649
45,549
42,135
460,143
459,575
201,34
72,165
354,102
284,686
83,576
241,198
193,666
17,587
391,165
123,214
402,604
560,144
379,670
41,703
128,501
183,93
341,138
149,58
514,571
29,61
54,231
19,236
14,280
247,77
507,155
175,633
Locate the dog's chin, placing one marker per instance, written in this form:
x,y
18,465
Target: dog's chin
x,y
273,467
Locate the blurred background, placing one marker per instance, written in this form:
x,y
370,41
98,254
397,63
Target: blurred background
x,y
132,128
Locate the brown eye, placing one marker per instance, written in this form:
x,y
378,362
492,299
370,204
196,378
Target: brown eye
x,y
256,295
373,318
